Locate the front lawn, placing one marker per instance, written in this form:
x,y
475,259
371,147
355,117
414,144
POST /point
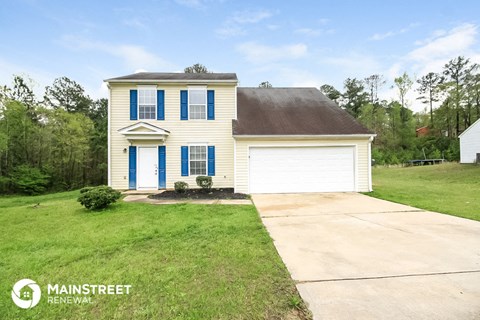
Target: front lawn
x,y
183,261
450,188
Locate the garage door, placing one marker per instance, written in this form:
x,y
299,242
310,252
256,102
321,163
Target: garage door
x,y
302,169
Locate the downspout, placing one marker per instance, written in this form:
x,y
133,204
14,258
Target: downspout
x,y
370,140
109,163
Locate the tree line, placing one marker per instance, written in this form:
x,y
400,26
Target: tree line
x,y
56,143
452,104
59,142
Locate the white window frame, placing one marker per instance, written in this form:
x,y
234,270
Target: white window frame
x,y
197,88
206,159
144,88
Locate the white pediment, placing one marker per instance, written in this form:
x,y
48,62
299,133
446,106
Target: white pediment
x,y
144,131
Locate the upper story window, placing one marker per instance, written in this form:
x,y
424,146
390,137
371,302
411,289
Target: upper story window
x,y
197,103
147,102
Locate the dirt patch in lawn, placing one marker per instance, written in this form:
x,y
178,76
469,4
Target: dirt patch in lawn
x,y
221,194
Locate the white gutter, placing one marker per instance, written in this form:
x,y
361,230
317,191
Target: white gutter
x,y
153,81
314,136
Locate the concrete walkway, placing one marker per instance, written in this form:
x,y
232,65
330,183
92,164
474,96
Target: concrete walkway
x,y
145,199
357,257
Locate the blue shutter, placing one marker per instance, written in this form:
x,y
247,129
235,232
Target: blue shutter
x,y
162,181
184,161
132,167
183,105
211,160
133,104
210,105
160,104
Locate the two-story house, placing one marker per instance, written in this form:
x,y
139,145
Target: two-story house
x,y
168,127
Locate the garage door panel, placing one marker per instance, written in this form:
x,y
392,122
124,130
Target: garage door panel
x,y
302,169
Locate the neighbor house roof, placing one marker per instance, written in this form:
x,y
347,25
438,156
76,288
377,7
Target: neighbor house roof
x,y
291,111
181,77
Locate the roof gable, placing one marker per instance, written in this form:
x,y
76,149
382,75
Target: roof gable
x,y
144,131
476,123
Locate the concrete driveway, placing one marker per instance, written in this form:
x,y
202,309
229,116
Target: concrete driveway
x,y
357,257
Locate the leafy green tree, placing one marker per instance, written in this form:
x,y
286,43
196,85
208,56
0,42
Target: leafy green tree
x,y
456,72
429,90
196,68
68,95
22,91
332,93
473,99
98,150
373,84
265,84
71,142
354,96
29,180
403,84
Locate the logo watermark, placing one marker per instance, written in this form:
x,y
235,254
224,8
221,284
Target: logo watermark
x,y
26,293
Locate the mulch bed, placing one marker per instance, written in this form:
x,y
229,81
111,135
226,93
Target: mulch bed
x,y
214,194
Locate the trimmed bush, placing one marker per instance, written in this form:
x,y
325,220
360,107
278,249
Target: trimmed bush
x,y
204,182
95,198
29,180
181,186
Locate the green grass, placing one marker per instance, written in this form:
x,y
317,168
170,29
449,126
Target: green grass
x,y
183,261
450,188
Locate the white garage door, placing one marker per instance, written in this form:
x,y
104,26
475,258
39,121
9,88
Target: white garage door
x,y
302,169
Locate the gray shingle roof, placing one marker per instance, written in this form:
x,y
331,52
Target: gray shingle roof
x,y
291,111
166,76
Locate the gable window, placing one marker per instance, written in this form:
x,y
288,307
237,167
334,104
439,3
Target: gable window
x,y
198,160
147,102
197,103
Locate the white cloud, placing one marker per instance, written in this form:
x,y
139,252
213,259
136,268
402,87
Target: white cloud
x,y
273,27
388,34
197,4
453,43
309,31
228,31
259,53
41,78
136,23
354,63
249,16
302,78
235,24
313,32
431,55
381,36
323,21
133,56
190,3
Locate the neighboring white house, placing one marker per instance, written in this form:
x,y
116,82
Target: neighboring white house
x,y
470,143
168,127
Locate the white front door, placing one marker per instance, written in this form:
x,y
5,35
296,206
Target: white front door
x,y
147,168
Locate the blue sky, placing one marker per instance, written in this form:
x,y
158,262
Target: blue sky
x,y
289,43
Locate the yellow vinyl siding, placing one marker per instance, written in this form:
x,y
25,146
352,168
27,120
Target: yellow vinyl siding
x,y
216,132
242,153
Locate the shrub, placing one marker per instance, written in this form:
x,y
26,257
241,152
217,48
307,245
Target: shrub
x,y
204,182
86,189
4,184
181,186
94,198
29,180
